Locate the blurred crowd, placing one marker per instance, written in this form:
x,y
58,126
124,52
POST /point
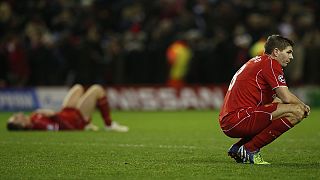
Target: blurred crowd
x,y
62,42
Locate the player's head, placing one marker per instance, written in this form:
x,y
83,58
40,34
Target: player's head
x,y
277,41
280,48
18,121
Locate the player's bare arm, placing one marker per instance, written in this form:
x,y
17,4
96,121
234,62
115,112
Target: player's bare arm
x,y
284,94
290,106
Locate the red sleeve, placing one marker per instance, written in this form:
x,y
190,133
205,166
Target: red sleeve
x,y
273,74
41,122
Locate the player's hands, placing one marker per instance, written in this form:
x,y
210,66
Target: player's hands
x,y
306,110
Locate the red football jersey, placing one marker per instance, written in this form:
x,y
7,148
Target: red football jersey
x,y
253,84
66,119
42,122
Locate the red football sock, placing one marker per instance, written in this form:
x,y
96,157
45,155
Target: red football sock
x,y
103,106
269,134
243,141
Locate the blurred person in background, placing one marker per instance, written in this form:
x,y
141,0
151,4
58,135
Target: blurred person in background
x,y
16,61
178,56
40,46
66,30
75,114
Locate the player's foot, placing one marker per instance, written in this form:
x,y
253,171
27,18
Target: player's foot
x,y
250,157
233,153
117,127
91,127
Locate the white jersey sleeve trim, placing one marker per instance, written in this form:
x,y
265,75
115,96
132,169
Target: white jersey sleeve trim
x,y
273,72
259,87
278,87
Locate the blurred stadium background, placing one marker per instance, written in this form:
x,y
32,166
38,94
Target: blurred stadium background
x,y
142,43
164,56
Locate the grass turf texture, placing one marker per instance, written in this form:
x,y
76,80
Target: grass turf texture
x,y
159,145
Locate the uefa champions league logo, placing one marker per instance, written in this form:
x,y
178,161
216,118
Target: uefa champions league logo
x,y
281,79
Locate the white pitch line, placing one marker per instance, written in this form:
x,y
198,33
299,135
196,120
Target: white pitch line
x,y
161,146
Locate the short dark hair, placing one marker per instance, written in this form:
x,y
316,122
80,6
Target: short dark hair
x,y
15,127
277,41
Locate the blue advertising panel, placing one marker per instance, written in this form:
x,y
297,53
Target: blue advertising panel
x,y
18,99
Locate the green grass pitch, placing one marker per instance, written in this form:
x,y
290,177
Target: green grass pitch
x,y
159,145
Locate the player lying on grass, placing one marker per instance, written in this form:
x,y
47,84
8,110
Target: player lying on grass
x,y
75,114
258,106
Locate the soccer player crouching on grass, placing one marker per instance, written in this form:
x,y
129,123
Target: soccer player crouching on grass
x,y
258,106
76,112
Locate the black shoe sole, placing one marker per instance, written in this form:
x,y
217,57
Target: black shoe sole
x,y
235,157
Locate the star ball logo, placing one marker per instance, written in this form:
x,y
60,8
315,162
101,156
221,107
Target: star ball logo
x,y
281,79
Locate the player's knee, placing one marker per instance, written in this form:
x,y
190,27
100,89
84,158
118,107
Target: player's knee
x,y
97,89
78,88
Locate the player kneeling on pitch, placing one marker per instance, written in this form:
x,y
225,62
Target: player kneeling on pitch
x,y
258,106
75,114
